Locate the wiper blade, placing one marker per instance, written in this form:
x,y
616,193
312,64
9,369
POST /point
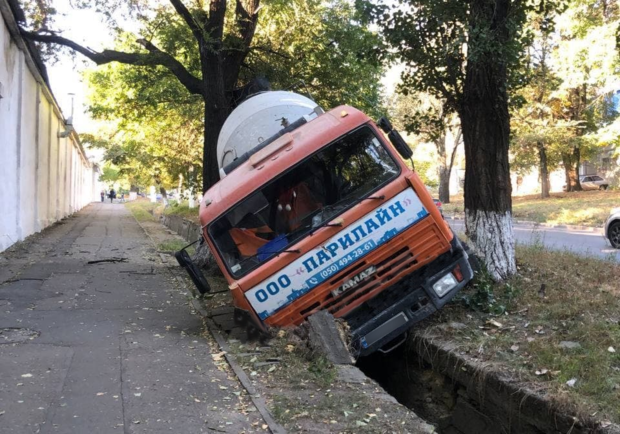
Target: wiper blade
x,y
334,205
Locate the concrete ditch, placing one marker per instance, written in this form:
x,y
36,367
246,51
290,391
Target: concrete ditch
x,y
462,396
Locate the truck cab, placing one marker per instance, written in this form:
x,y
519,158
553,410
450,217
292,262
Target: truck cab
x,y
323,214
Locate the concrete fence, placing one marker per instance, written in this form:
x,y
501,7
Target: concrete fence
x,y
44,173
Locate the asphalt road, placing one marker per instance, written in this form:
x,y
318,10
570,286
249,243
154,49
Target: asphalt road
x,y
579,241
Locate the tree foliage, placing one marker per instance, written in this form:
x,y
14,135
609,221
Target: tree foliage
x,y
311,46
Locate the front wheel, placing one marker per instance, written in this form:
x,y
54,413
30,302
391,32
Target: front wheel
x,y
603,187
613,233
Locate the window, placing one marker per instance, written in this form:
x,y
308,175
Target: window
x,y
301,200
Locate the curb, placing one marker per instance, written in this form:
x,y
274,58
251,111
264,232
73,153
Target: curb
x,y
539,224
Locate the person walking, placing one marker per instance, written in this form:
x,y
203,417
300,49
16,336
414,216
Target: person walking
x,y
102,196
112,195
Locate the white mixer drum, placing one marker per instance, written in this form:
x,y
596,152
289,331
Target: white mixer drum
x,y
257,119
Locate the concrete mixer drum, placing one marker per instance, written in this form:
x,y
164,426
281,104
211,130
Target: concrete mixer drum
x,y
257,119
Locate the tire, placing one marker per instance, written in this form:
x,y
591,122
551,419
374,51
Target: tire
x,y
613,234
603,187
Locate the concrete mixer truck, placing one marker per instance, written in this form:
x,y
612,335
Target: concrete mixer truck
x,y
318,211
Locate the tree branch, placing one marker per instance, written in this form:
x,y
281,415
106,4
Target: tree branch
x,y
217,14
155,57
247,17
271,51
189,19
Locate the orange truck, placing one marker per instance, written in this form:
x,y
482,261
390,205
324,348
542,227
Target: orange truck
x,y
317,211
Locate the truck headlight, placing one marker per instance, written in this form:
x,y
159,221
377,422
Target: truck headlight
x,y
445,284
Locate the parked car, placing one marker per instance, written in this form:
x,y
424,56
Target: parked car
x,y
592,182
612,228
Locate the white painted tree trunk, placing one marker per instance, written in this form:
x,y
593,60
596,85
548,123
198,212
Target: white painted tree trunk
x,y
493,240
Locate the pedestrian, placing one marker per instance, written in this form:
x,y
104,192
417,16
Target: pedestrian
x,y
112,195
102,196
123,197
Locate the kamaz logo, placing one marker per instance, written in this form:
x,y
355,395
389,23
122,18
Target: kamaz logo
x,y
352,283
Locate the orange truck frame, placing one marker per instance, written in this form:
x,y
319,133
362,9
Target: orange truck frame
x,y
325,215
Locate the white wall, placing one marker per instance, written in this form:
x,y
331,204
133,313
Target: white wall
x,y
43,177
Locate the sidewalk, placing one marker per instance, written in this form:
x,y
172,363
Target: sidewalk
x,y
108,347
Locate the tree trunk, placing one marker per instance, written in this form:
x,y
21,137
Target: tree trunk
x,y
545,186
444,183
571,169
444,174
486,129
217,109
577,161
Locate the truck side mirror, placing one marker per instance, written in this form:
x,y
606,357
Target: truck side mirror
x,y
395,138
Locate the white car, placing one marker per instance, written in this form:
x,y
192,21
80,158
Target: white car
x,y
593,182
612,228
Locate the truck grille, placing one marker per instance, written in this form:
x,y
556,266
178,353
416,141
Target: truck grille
x,y
415,248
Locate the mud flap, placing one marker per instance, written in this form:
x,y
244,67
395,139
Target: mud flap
x,y
194,272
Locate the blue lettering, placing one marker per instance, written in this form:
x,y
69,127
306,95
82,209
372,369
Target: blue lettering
x,y
261,295
310,264
359,233
345,242
322,257
284,281
273,288
397,208
332,248
371,226
383,216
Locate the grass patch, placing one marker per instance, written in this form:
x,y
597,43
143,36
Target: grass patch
x,y
182,209
524,326
590,208
143,209
174,245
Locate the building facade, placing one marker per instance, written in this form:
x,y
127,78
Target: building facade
x,y
44,173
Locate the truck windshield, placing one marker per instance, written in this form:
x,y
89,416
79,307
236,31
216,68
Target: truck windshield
x,y
306,197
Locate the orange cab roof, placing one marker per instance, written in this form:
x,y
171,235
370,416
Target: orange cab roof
x,y
278,157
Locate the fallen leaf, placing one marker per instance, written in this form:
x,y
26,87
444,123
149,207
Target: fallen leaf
x,y
137,394
30,375
101,393
360,423
273,368
514,348
223,387
494,323
571,382
610,349
217,357
542,372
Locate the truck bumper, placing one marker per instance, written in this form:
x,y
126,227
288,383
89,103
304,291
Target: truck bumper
x,y
399,307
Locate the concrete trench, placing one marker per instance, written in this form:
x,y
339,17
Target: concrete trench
x,y
463,397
